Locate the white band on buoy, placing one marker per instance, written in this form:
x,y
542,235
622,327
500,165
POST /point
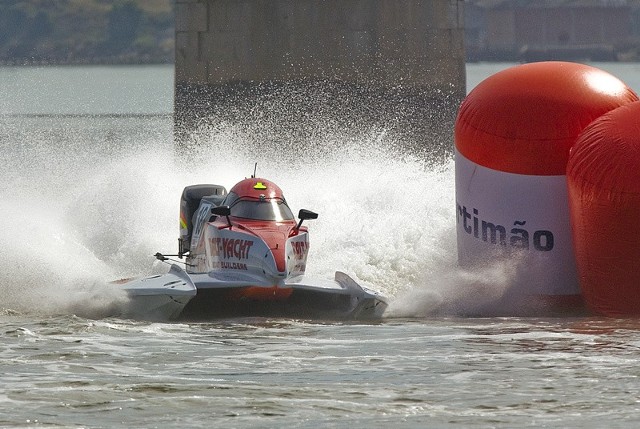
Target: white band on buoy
x,y
524,217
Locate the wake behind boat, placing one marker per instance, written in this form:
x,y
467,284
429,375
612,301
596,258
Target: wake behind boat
x,y
245,255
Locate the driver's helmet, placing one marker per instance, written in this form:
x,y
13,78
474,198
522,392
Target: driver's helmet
x,y
258,199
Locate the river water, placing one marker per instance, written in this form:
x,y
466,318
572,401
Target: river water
x,y
89,190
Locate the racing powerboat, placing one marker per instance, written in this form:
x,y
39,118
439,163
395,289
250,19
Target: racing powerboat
x,y
245,255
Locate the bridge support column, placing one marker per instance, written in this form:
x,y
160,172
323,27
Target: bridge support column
x,y
293,68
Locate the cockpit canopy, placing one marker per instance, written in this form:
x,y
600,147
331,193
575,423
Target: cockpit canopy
x,y
258,199
261,208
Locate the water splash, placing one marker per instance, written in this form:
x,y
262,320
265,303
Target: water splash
x,y
382,212
83,219
451,290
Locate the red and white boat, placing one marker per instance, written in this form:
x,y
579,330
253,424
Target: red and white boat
x,y
245,255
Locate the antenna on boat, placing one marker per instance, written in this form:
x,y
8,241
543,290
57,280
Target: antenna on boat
x,y
255,168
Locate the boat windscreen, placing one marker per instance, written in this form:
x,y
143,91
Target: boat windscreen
x,y
274,209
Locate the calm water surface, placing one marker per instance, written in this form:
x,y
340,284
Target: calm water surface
x,y
89,189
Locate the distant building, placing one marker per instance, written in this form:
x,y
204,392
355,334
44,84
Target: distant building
x,y
534,30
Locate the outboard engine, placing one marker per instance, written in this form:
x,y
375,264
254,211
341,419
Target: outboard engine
x,y
189,203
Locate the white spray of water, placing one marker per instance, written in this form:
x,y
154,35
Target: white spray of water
x,y
76,222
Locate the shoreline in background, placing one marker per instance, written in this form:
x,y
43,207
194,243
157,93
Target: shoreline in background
x,y
136,32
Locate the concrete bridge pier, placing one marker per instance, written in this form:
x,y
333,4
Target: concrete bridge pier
x,y
288,71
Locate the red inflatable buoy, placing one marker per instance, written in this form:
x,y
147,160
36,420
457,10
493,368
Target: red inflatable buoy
x,y
603,176
524,119
512,137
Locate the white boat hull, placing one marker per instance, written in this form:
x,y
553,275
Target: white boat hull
x,y
159,297
179,295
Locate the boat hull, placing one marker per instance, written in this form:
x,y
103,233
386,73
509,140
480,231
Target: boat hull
x,y
301,304
178,295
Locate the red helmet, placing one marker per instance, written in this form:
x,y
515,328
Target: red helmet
x,y
257,188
